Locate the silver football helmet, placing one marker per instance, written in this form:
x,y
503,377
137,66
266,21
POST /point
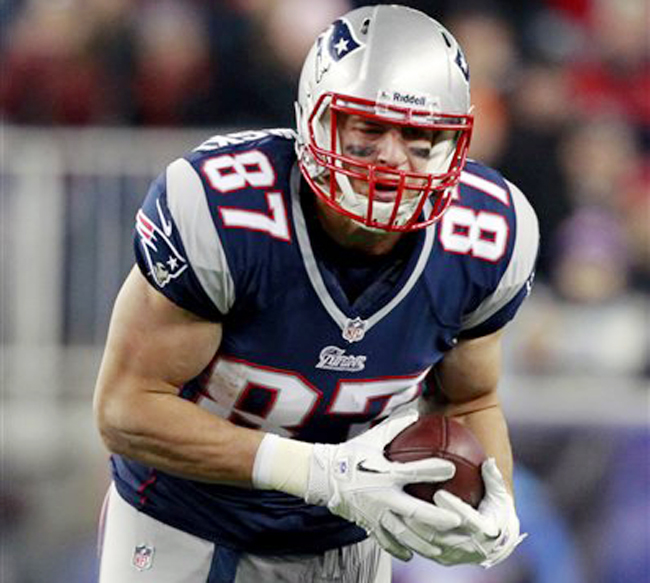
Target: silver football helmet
x,y
399,68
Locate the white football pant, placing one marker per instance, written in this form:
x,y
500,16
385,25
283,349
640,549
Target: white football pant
x,y
135,548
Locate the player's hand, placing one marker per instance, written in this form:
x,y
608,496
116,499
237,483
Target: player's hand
x,y
355,481
485,536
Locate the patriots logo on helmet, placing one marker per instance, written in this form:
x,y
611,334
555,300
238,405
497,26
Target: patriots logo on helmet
x,y
341,42
338,42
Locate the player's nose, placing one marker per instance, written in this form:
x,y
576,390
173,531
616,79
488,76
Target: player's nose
x,y
391,150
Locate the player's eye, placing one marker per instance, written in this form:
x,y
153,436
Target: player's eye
x,y
411,134
360,151
372,129
420,152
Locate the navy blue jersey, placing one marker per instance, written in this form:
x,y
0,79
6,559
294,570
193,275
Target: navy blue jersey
x,y
226,233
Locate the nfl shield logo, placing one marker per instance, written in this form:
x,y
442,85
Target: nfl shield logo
x,y
354,330
143,557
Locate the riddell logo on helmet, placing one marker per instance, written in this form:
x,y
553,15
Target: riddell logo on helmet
x,y
409,99
392,97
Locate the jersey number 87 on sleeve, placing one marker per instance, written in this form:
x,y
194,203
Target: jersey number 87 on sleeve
x,y
229,173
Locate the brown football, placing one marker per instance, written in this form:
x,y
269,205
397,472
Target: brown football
x,y
439,436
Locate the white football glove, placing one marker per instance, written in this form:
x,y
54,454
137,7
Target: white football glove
x,y
485,536
355,481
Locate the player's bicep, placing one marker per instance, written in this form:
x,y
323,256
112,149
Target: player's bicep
x,y
153,345
467,377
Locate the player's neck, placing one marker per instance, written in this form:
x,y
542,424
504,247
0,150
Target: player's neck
x,y
351,235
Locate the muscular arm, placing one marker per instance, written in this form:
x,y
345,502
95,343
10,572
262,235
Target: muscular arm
x,y
468,377
154,347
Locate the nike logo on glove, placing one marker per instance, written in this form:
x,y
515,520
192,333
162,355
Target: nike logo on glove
x,y
363,468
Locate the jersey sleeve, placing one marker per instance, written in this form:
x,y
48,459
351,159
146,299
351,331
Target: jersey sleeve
x,y
498,308
177,246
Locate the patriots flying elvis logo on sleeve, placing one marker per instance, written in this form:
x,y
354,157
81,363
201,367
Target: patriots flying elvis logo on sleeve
x,y
164,260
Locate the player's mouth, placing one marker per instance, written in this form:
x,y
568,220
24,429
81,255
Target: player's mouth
x,y
385,192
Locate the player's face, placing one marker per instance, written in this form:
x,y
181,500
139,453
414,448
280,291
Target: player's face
x,y
386,145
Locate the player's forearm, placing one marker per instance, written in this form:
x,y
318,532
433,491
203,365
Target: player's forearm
x,y
489,426
178,437
468,378
484,416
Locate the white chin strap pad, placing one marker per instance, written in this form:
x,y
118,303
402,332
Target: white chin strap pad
x,y
381,211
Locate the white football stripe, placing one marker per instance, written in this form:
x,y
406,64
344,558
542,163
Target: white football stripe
x,y
486,186
520,266
189,208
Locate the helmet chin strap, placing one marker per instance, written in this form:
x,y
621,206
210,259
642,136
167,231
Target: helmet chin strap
x,y
441,157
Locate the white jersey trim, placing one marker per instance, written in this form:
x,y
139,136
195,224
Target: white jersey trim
x,y
521,263
486,186
189,208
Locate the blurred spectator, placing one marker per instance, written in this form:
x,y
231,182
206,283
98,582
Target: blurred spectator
x,y
599,159
577,9
601,245
492,126
492,76
478,29
49,75
636,215
172,64
591,257
613,73
111,45
541,109
268,62
289,28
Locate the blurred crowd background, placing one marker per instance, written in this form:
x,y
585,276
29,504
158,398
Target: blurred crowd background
x,y
561,94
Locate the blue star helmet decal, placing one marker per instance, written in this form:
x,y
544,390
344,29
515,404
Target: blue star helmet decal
x,y
462,63
335,43
341,41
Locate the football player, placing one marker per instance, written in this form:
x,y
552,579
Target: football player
x,y
298,298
